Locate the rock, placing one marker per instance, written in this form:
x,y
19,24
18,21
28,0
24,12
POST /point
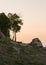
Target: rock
x,y
2,36
36,42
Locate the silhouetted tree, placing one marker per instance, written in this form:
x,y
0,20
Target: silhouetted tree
x,y
16,23
4,24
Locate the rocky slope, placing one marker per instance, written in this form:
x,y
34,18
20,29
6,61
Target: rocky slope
x,y
12,53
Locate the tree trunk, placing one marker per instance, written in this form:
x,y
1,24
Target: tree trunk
x,y
14,36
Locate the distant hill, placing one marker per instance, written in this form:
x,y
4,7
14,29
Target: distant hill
x,y
12,53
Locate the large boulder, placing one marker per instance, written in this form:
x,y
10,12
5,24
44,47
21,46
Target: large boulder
x,y
37,42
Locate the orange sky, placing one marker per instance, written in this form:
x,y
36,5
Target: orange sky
x,y
33,13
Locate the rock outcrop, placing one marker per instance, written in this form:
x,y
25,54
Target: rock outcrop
x,y
2,36
36,42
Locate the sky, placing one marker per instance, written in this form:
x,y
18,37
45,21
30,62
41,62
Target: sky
x,y
33,14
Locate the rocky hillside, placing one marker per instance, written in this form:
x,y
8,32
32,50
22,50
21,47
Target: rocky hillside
x,y
12,53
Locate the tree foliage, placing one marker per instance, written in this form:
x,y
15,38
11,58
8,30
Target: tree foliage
x,y
12,21
4,24
16,23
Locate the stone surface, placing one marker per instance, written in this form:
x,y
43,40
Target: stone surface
x,y
2,36
36,41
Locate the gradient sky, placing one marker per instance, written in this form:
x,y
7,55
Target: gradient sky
x,y
33,13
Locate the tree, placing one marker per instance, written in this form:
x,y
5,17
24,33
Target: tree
x,y
4,24
16,23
